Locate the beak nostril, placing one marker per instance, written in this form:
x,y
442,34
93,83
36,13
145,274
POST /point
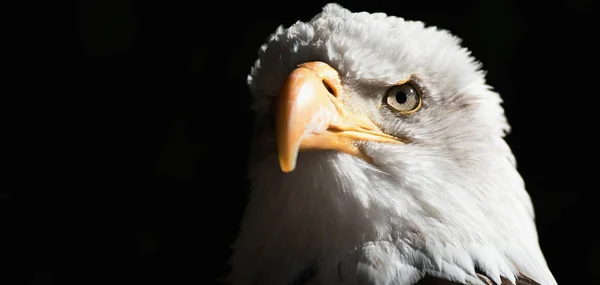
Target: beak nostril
x,y
328,87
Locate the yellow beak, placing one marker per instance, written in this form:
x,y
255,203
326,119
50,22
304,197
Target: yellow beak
x,y
310,114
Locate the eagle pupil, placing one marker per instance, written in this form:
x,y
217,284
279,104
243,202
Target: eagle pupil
x,y
401,97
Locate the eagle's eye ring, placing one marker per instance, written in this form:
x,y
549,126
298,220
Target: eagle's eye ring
x,y
404,98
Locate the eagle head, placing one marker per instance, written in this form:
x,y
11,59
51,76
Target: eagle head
x,y
379,157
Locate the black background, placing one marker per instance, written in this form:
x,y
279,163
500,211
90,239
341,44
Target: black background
x,y
144,177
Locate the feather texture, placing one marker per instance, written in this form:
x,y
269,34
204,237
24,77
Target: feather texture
x,y
448,208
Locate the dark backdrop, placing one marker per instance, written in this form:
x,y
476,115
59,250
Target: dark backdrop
x,y
156,185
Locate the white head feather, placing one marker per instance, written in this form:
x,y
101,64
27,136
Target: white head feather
x,y
446,205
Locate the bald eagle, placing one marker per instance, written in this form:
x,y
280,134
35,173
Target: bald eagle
x,y
379,158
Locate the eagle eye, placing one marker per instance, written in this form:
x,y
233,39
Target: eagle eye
x,y
404,98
